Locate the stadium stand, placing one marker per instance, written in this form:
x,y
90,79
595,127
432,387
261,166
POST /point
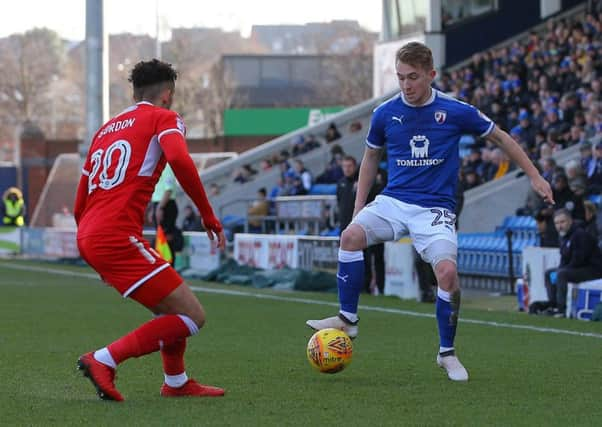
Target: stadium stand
x,y
527,85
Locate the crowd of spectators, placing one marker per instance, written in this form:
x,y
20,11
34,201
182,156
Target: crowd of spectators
x,y
290,174
546,91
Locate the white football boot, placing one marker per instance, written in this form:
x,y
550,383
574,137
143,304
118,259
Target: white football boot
x,y
451,364
337,322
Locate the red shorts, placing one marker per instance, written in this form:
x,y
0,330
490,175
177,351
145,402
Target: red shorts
x,y
131,266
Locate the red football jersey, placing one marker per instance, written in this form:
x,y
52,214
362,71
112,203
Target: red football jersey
x,y
123,166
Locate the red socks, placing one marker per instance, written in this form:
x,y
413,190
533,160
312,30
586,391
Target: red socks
x,y
173,357
168,332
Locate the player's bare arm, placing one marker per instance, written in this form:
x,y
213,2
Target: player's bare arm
x,y
367,175
516,154
176,153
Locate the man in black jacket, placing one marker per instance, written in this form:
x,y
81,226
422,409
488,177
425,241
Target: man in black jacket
x,y
374,256
346,187
580,259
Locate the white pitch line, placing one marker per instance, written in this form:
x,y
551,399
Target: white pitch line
x,y
327,303
396,311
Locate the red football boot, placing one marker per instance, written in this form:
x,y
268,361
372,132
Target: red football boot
x,y
101,375
191,388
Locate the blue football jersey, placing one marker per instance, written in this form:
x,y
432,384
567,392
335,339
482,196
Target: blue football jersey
x,y
422,146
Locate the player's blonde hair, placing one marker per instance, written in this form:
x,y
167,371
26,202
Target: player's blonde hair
x,y
415,54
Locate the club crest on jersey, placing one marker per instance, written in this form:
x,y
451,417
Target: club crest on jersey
x,y
420,146
440,116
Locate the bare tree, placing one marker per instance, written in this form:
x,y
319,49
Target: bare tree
x,y
219,95
349,77
179,52
30,63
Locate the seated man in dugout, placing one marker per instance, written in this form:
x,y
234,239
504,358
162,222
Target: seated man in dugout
x,y
580,261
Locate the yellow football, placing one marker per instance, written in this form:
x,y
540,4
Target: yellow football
x,y
329,350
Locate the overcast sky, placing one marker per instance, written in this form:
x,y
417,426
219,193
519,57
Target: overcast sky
x,y
67,17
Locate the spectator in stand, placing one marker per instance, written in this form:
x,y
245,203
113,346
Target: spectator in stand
x,y
590,128
355,126
563,195
471,179
574,171
191,222
303,144
553,122
488,168
473,160
585,153
548,167
265,165
502,163
575,136
591,219
334,170
284,162
304,175
497,114
578,187
580,260
297,187
292,185
554,140
569,103
594,173
332,133
525,129
244,174
279,189
537,115
311,142
257,211
298,145
546,231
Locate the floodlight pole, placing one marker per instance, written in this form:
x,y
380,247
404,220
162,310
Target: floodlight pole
x,y
97,62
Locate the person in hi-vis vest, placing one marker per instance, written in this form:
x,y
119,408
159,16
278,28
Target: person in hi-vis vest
x,y
14,207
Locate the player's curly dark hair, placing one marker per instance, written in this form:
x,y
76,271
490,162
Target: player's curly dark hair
x,y
150,77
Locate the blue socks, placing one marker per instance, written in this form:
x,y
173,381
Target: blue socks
x,y
447,310
350,280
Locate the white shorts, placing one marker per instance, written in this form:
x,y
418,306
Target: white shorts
x,y
388,219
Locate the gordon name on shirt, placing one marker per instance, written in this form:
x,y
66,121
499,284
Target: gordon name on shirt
x,y
115,126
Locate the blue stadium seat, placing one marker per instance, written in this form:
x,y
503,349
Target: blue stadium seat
x,y
229,221
335,232
323,189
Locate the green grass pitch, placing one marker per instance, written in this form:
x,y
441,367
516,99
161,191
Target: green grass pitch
x,y
255,348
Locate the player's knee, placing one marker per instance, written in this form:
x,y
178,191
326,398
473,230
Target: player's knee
x,y
446,275
194,317
198,316
352,239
